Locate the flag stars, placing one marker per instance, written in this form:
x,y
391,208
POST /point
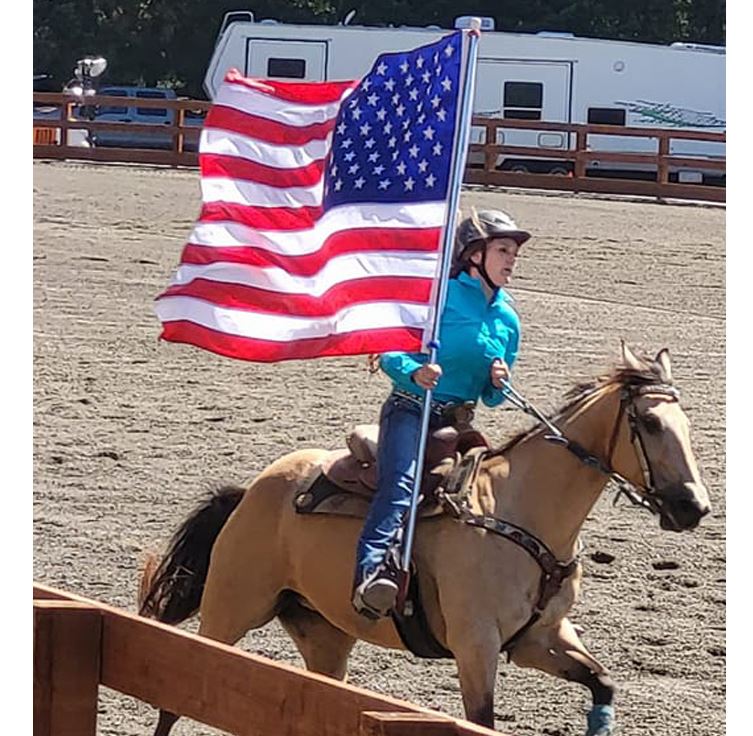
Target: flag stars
x,y
366,84
377,170
420,62
365,128
407,136
426,77
381,114
409,182
353,168
436,101
413,151
429,133
390,84
409,80
395,99
448,50
392,142
372,99
401,168
358,183
441,115
356,113
370,143
373,157
429,181
404,67
338,185
413,94
349,156
341,128
384,184
446,84
347,143
381,69
388,127
422,166
437,149
400,109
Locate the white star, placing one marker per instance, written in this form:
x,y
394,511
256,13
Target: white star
x,y
426,77
430,180
381,114
407,136
400,168
422,166
357,114
404,67
372,99
413,94
384,183
409,80
349,156
419,62
438,71
437,149
406,124
409,184
353,168
333,172
413,151
395,154
341,128
347,143
365,128
400,109
370,143
366,84
447,84
377,170
382,68
436,58
395,98
441,114
421,119
373,157
448,50
388,127
390,84
338,185
358,183
391,142
436,101
429,133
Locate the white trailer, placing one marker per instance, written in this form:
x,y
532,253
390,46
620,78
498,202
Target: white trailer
x,y
551,77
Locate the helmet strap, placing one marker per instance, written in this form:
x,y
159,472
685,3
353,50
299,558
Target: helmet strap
x,y
481,268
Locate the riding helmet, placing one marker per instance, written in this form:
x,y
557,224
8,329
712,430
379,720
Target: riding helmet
x,y
485,225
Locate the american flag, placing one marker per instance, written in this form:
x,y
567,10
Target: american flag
x,y
323,208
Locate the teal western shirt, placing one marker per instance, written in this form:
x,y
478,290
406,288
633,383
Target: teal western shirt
x,y
473,334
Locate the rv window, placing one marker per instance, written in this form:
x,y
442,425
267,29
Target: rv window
x,y
292,68
159,112
523,100
606,116
111,109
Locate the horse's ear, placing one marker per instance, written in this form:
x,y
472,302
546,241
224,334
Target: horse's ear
x,y
665,367
628,358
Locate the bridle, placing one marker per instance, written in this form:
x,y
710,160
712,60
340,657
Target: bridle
x,y
640,495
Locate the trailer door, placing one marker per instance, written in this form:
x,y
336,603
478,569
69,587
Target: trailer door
x,y
281,59
525,90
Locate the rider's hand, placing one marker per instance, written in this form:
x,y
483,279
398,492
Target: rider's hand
x,y
427,375
498,373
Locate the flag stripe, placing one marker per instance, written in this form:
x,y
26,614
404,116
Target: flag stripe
x,y
287,328
371,217
254,194
267,351
339,244
413,264
263,218
270,130
232,167
357,291
317,94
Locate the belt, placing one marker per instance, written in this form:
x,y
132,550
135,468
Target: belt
x,y
437,407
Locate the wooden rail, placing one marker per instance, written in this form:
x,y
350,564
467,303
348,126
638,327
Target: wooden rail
x,y
574,162
80,644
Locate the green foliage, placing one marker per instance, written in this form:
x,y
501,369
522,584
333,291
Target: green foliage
x,y
165,43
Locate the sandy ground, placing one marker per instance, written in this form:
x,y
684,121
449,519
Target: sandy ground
x,y
130,432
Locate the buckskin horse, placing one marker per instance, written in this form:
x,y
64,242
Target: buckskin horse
x,y
498,572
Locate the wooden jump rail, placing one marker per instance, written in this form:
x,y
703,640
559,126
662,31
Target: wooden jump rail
x,y
51,136
80,644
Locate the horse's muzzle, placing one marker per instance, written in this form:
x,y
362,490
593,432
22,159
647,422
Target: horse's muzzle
x,y
681,507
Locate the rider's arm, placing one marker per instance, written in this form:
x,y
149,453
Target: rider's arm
x,y
490,395
401,365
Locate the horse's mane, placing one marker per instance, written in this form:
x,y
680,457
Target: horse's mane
x,y
650,371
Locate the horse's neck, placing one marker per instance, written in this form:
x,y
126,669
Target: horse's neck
x,y
546,489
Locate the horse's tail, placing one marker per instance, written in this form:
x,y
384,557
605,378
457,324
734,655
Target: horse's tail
x,y
170,590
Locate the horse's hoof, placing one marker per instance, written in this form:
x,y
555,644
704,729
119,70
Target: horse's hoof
x,y
601,721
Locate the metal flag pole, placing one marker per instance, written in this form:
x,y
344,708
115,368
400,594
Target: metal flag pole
x,y
455,182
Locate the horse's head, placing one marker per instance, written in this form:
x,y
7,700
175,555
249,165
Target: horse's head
x,y
653,449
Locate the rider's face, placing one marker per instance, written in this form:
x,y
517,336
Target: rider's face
x,y
501,254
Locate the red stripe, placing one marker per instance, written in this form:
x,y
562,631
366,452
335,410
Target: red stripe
x,y
263,129
349,293
305,93
239,168
267,351
337,244
262,218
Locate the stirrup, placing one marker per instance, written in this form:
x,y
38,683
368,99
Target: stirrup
x,y
376,595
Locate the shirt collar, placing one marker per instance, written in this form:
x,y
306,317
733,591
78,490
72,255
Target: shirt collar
x,y
500,296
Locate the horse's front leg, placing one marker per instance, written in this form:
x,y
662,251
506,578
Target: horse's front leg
x,y
559,651
476,654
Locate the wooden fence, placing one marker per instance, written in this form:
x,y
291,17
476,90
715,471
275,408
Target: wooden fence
x,y
577,159
80,644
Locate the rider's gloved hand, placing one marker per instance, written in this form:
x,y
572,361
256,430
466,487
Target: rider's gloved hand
x,y
427,376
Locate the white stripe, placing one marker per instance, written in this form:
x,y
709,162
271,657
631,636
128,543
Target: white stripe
x,y
239,191
273,108
282,328
301,242
338,270
225,143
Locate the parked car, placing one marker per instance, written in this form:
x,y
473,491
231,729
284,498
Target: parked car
x,y
131,112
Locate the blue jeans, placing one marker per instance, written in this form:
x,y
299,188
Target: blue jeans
x,y
399,432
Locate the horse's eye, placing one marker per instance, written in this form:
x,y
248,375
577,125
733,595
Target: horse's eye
x,y
651,424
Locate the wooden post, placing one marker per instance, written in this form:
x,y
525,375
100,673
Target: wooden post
x,y
67,638
662,170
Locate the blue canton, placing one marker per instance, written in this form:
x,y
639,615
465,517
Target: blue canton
x,y
394,134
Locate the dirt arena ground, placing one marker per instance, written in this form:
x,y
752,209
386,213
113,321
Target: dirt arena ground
x,y
129,433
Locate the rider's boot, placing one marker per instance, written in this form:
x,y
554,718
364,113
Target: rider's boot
x,y
376,594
